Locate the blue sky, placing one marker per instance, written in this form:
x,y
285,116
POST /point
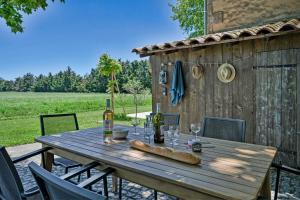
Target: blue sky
x,y
77,32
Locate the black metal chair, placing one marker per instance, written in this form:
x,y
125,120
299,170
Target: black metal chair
x,y
10,183
224,128
58,123
278,168
55,188
169,118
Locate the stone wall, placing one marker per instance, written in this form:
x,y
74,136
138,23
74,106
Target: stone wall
x,y
226,15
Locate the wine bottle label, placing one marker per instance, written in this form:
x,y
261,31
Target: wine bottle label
x,y
108,126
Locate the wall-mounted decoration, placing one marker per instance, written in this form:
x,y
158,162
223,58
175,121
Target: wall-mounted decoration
x,y
163,77
197,71
226,73
164,91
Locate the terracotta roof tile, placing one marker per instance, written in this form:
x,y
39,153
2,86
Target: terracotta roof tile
x,y
293,24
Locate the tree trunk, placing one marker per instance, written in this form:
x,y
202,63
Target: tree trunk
x,y
112,93
136,107
121,98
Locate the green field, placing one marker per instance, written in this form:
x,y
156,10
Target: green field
x,y
19,112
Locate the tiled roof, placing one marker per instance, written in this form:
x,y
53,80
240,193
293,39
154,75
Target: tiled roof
x,y
215,38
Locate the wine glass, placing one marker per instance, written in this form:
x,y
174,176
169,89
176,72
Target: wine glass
x,y
196,128
176,135
148,131
173,134
135,122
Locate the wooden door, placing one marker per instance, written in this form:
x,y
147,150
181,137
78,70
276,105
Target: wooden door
x,y
276,102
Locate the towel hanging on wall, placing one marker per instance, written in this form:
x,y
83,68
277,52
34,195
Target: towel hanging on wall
x,y
177,87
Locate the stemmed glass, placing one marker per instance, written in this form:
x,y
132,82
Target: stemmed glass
x,y
148,131
196,128
173,134
135,122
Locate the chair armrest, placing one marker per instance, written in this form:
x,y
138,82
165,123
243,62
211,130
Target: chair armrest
x,y
79,171
32,191
286,168
95,178
31,154
291,170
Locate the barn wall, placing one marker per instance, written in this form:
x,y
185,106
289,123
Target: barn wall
x,y
271,120
231,14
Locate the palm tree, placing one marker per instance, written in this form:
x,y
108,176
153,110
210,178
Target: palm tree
x,y
110,67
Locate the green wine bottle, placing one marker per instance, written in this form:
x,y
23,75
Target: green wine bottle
x,y
108,123
158,121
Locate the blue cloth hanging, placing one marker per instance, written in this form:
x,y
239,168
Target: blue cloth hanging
x,y
177,87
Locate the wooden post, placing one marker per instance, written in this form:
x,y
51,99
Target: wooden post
x,y
266,187
48,160
114,184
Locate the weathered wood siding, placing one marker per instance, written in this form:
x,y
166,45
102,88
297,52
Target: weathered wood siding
x,y
265,91
226,15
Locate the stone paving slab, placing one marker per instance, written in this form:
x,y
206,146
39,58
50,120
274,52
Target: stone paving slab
x,y
289,183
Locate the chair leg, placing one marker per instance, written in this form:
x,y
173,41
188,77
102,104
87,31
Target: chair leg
x,y
120,188
277,183
105,186
88,174
78,178
43,160
66,170
155,194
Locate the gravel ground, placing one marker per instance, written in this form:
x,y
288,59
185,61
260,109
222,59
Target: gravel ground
x,y
289,185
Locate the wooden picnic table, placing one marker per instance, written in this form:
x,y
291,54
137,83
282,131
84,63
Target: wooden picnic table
x,y
228,170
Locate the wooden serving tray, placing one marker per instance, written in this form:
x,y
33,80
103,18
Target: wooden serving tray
x,y
167,152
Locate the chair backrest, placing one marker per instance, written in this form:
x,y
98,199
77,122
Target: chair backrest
x,y
10,183
57,123
224,128
53,188
169,118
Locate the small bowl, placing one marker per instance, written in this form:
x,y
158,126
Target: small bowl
x,y
120,134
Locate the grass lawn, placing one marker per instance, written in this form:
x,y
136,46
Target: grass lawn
x,y
19,112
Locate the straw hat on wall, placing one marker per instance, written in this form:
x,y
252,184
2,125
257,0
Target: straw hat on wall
x,y
226,73
197,71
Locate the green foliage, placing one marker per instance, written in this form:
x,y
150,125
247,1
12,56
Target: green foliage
x,y
136,88
68,81
190,15
108,65
11,11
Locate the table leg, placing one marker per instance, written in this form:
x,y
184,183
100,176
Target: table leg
x,y
114,184
266,187
48,160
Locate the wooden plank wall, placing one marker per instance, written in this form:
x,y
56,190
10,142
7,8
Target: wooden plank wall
x,y
254,95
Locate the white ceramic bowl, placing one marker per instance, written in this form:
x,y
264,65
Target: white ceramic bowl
x,y
120,134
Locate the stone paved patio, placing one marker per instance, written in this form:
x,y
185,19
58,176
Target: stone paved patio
x,y
289,188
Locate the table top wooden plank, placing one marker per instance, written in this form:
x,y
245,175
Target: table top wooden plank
x,y
225,159
220,174
204,160
139,166
169,165
251,150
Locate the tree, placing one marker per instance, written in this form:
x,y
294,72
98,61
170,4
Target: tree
x,y
11,11
94,82
110,67
136,88
190,14
24,83
6,85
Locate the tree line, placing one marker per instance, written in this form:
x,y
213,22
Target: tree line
x,y
68,81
